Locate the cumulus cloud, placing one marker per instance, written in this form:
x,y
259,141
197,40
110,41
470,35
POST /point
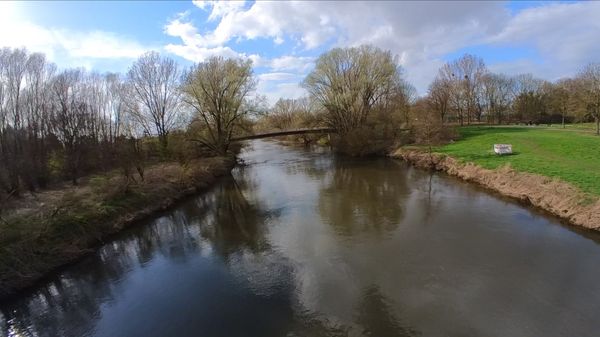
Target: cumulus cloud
x,y
291,63
422,34
565,36
219,8
74,48
276,90
196,47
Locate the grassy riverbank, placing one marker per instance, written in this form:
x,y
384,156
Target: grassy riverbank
x,y
43,231
557,171
573,157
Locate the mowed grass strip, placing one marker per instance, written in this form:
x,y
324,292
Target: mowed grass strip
x,y
572,157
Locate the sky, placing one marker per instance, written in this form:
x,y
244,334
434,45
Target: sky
x,y
546,38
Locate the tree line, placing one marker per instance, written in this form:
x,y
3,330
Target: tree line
x,y
60,125
465,92
361,92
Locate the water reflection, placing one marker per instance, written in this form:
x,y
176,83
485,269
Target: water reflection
x,y
304,243
231,223
377,316
363,196
222,222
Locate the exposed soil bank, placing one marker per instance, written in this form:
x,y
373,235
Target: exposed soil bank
x,y
55,228
554,196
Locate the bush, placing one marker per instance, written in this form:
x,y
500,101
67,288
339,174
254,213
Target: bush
x,y
381,132
427,127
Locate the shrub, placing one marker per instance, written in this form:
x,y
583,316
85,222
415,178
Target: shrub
x,y
382,131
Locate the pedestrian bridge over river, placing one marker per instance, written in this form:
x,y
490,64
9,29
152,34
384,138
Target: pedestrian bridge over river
x,y
284,133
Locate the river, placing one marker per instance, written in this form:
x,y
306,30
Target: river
x,y
302,242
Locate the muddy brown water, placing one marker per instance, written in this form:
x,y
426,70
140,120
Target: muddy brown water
x,y
304,243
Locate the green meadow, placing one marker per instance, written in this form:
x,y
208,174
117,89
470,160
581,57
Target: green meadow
x,y
570,155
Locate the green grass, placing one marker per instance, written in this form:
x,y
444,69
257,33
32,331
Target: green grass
x,y
573,157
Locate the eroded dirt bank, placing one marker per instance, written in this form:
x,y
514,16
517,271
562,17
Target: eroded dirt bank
x,y
554,196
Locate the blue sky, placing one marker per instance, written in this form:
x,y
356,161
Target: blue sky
x,y
549,39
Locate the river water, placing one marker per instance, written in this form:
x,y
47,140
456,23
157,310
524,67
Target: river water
x,y
305,243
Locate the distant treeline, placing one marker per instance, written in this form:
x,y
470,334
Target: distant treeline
x,y
61,125
465,91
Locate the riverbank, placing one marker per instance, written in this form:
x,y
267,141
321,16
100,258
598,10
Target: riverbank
x,y
567,155
549,194
56,227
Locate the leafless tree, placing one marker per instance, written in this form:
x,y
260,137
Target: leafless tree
x,y
589,91
440,94
465,76
497,92
156,100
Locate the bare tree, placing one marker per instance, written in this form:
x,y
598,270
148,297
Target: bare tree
x,y
561,97
465,76
69,117
350,82
440,94
155,82
218,91
497,90
589,79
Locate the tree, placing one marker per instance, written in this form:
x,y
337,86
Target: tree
x,y
283,112
427,125
350,82
589,92
497,95
439,97
530,102
155,105
465,77
217,90
561,96
69,118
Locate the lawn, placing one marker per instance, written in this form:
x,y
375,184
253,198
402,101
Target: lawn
x,y
571,156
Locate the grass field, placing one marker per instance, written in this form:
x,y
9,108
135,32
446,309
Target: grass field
x,y
571,156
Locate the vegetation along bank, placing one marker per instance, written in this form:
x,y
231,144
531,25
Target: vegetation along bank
x,y
59,226
84,154
554,170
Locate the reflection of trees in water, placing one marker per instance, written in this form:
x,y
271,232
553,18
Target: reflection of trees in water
x,y
222,218
232,223
313,165
377,317
72,300
363,196
427,183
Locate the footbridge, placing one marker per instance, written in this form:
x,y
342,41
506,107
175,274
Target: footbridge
x,y
284,133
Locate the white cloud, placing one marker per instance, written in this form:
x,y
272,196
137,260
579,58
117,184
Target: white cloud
x,y
276,76
71,48
275,91
291,63
564,35
219,8
98,44
422,34
194,46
